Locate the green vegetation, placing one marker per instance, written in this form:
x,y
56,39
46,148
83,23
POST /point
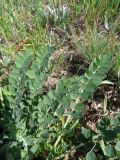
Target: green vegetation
x,y
59,80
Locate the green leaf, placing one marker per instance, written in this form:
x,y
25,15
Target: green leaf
x,y
19,63
114,122
60,111
108,135
28,141
51,94
30,74
86,132
110,151
31,123
105,122
102,144
34,148
44,133
75,115
18,113
65,102
91,156
23,154
21,125
94,75
117,146
79,108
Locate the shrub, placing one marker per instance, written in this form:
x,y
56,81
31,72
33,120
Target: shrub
x,y
40,122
